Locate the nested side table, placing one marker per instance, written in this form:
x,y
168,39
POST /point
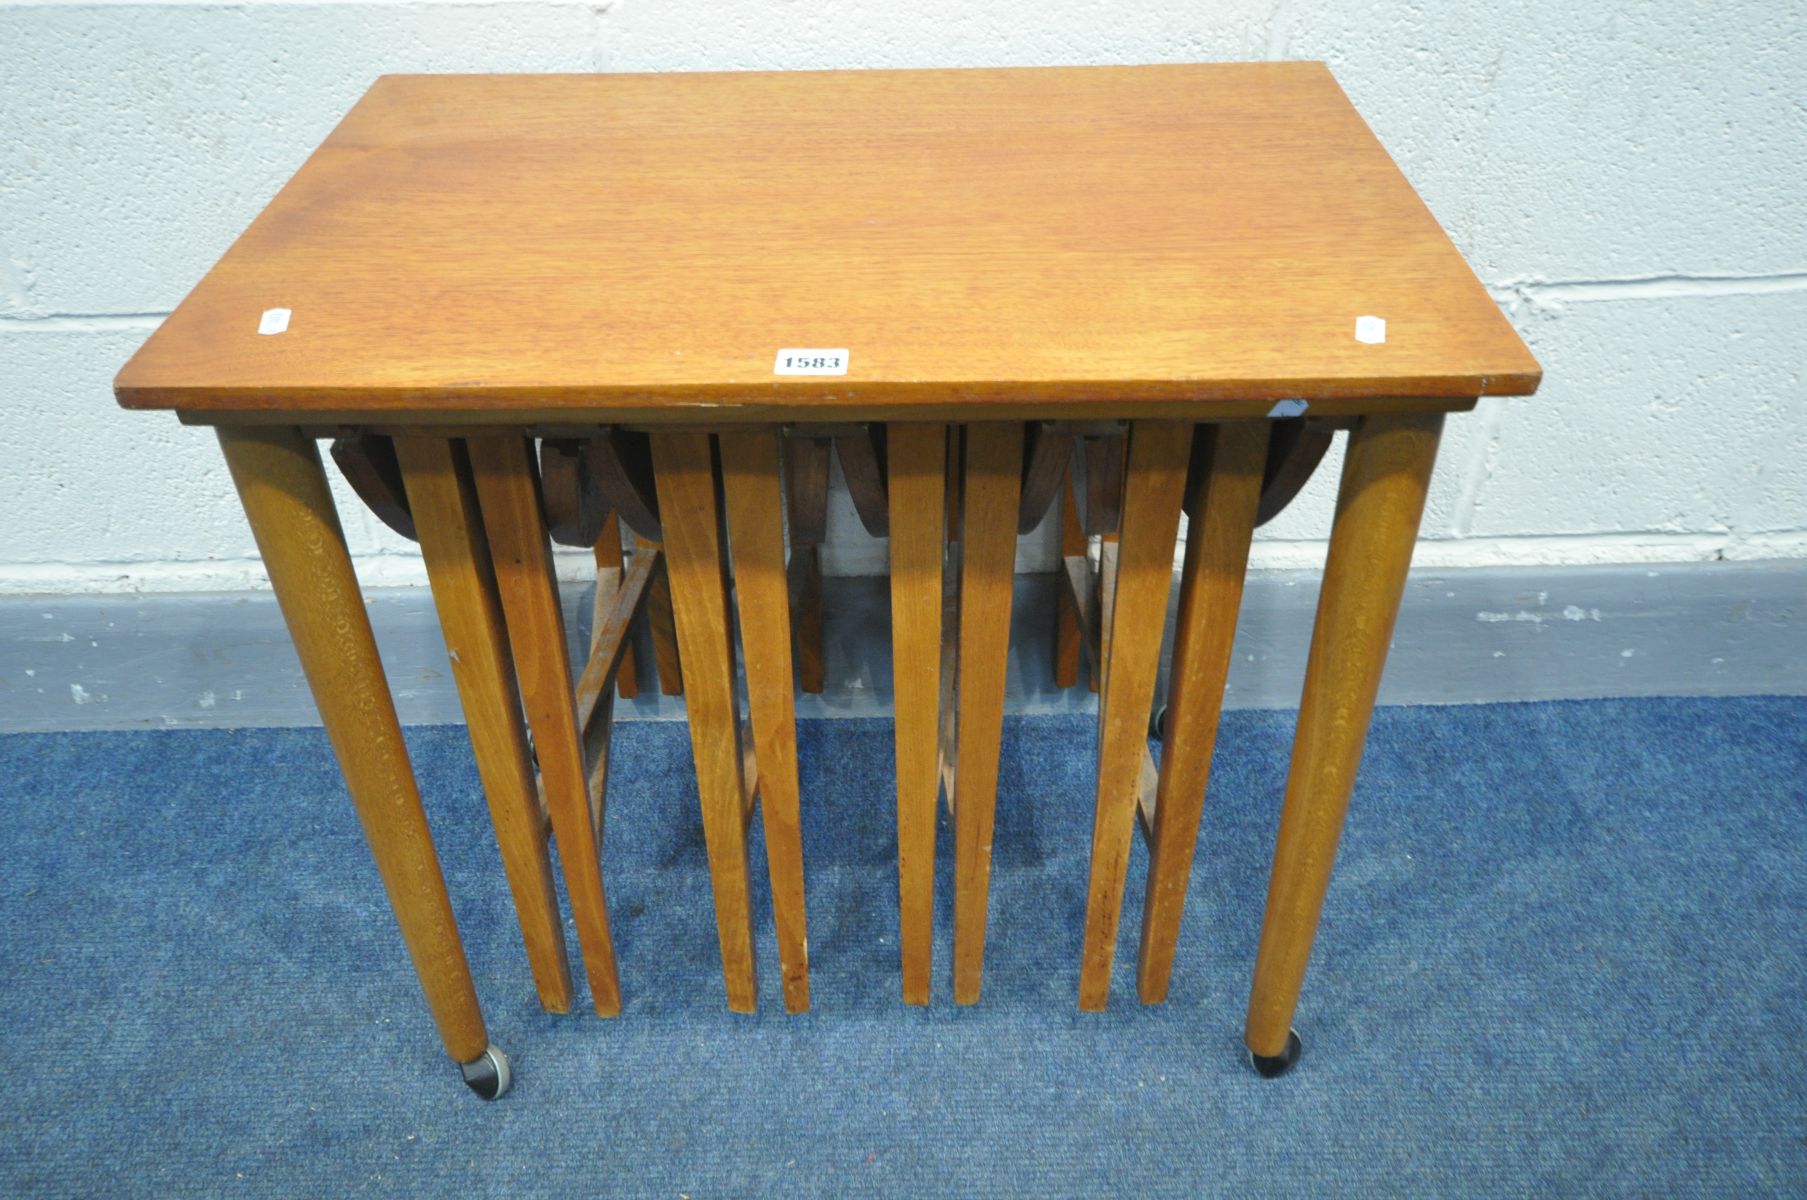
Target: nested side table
x,y
701,262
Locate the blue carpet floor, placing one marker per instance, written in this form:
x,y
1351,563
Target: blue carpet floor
x,y
1563,953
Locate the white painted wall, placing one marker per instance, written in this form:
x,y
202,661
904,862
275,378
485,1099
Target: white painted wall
x,y
1630,179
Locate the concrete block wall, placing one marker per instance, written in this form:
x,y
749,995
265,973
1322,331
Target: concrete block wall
x,y
1628,178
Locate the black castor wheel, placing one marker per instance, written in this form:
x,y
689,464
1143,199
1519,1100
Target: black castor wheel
x,y
1274,1066
1157,724
487,1074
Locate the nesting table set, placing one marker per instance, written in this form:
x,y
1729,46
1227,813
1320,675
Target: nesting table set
x,y
546,306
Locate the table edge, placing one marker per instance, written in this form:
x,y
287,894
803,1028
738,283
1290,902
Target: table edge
x,y
827,400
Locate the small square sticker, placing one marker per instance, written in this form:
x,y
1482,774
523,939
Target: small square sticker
x,y
810,362
274,320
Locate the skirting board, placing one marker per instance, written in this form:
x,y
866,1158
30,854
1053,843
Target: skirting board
x,y
1469,636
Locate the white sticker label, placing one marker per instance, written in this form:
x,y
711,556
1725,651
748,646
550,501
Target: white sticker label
x,y
1288,408
275,320
1372,330
810,362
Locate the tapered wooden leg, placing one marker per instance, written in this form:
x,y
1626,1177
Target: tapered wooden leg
x,y
752,491
1153,488
608,558
1066,616
508,489
442,498
917,490
278,476
1217,559
661,624
684,474
1385,474
993,480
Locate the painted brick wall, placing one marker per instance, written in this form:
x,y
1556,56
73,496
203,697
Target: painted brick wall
x,y
1630,179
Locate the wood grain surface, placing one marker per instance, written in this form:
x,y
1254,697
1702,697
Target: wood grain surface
x,y
753,495
290,508
685,475
917,471
1178,240
993,466
1154,485
1386,473
1224,506
521,554
442,492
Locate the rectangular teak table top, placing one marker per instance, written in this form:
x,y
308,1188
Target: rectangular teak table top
x,y
1194,240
